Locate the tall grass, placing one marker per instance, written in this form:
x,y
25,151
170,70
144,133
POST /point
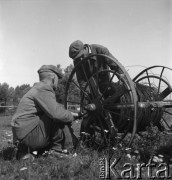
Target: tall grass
x,y
85,165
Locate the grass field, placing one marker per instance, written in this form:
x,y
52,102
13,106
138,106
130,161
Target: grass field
x,y
82,166
86,165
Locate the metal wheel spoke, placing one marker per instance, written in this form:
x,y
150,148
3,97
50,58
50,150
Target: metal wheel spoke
x,y
110,81
83,91
115,113
167,112
166,123
148,78
91,83
97,76
165,93
160,79
93,87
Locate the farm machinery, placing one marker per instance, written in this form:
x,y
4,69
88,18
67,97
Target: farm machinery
x,y
117,109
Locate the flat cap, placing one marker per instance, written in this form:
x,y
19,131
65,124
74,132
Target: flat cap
x,y
50,68
76,49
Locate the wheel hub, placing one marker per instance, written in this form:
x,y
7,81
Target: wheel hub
x,y
96,106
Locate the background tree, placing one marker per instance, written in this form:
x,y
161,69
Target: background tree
x,y
11,96
4,93
63,82
11,93
6,96
19,92
73,94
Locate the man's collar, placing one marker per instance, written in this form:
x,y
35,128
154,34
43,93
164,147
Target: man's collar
x,y
90,52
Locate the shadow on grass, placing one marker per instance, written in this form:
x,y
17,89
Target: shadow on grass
x,y
6,125
166,152
8,153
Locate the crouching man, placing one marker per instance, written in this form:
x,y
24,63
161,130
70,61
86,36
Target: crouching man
x,y
39,120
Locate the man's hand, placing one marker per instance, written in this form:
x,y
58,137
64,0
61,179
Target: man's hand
x,y
75,115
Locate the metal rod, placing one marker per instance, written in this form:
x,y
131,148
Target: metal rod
x,y
155,104
160,79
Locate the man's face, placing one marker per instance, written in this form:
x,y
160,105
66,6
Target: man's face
x,y
83,55
85,52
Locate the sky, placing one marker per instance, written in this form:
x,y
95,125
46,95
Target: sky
x,y
38,32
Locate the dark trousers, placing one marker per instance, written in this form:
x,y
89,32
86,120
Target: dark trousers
x,y
48,134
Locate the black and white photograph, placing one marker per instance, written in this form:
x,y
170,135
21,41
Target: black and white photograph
x,y
85,89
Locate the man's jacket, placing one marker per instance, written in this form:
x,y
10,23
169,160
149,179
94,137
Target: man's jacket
x,y
90,67
39,101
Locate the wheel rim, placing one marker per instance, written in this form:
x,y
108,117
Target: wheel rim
x,y
105,110
156,77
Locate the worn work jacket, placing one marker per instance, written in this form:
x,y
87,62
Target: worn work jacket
x,y
94,62
38,101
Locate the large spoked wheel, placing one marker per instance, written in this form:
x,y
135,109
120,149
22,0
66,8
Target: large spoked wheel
x,y
107,102
156,79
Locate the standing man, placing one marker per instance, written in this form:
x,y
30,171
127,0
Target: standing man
x,y
79,51
39,120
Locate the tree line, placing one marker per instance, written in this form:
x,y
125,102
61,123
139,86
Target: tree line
x,y
10,96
